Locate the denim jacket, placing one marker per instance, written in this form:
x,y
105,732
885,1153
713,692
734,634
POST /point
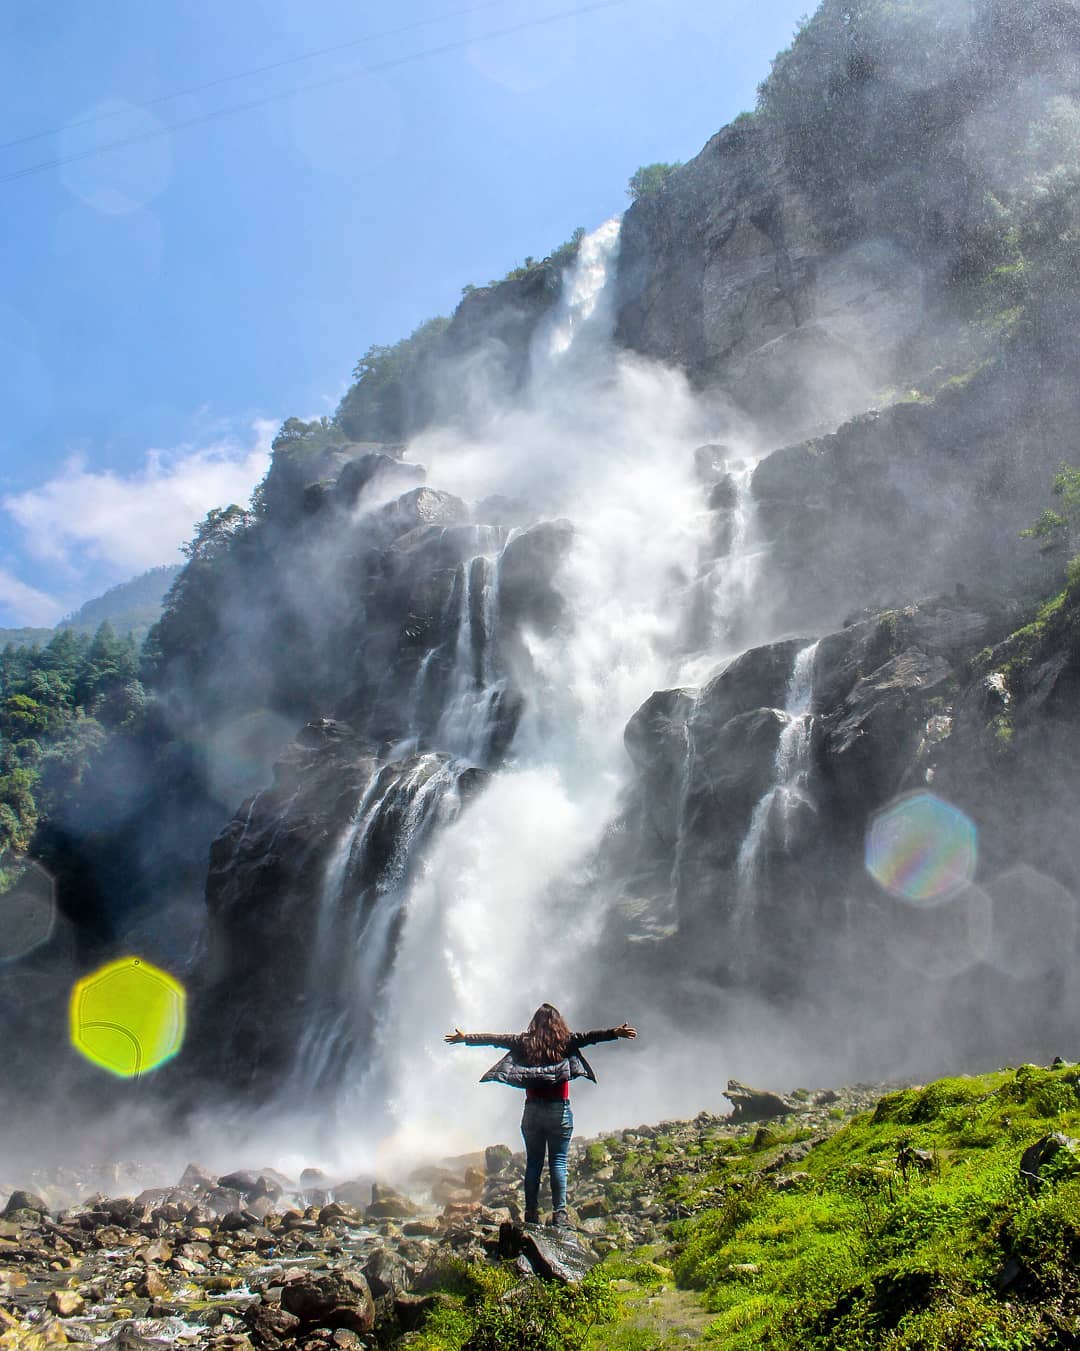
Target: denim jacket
x,y
513,1071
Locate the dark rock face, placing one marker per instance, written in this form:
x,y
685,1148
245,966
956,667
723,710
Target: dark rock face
x,y
744,844
292,882
733,272
913,500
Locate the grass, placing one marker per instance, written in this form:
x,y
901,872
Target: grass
x,y
888,1248
909,1228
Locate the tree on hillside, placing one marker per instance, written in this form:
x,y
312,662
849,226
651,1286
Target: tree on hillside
x,y
1061,529
649,179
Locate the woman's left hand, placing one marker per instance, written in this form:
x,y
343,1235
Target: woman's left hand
x,y
625,1030
455,1036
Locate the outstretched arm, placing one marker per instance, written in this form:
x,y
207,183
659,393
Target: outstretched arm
x,y
605,1034
504,1039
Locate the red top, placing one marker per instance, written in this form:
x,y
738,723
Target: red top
x,y
548,1092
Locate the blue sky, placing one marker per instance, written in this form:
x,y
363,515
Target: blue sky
x,y
168,303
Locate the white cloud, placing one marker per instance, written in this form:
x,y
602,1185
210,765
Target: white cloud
x,y
26,604
88,520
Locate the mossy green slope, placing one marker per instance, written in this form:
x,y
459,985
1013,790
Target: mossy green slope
x,y
910,1227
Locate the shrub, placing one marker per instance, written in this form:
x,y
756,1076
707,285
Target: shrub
x,y
649,179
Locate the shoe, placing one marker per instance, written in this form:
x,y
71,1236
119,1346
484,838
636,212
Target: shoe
x,y
561,1220
532,1217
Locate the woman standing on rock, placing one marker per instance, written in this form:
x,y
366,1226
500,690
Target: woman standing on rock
x,y
542,1060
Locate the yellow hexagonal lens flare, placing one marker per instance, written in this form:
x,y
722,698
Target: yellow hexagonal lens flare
x,y
128,1017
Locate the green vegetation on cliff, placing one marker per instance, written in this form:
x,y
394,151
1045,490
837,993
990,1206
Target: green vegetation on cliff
x,y
375,408
649,179
57,705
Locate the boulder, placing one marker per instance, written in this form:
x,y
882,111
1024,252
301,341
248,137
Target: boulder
x,y
757,1104
25,1200
386,1272
552,1254
710,463
388,1204
336,1299
527,593
195,1176
66,1303
1046,1151
497,1159
421,506
269,1324
373,468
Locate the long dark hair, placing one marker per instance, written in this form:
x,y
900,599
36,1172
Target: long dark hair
x,y
546,1038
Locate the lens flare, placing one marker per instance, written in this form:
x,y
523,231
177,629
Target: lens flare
x,y
128,1017
921,849
941,941
1035,923
27,908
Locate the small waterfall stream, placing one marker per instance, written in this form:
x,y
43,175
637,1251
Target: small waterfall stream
x,y
360,905
465,727
771,823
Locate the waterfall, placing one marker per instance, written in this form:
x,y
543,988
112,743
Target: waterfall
x,y
733,576
491,921
360,908
773,815
466,725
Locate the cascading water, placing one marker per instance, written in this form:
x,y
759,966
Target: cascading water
x,y
360,905
465,728
771,823
484,916
732,577
490,921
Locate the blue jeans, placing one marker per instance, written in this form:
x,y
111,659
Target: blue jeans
x,y
547,1128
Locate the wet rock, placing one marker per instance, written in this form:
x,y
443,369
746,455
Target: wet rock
x,y
710,463
66,1303
421,506
25,1200
411,1310
194,1177
223,1200
1034,1160
389,1204
338,1299
243,1182
386,1272
757,1104
497,1159
355,1192
553,1254
269,1324
374,468
526,577
153,1285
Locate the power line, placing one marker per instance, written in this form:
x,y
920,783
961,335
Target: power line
x,y
262,102
257,70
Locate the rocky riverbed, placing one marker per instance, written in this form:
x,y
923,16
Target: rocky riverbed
x,y
253,1258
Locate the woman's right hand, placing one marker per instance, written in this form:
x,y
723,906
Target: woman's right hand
x,y
623,1030
455,1036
